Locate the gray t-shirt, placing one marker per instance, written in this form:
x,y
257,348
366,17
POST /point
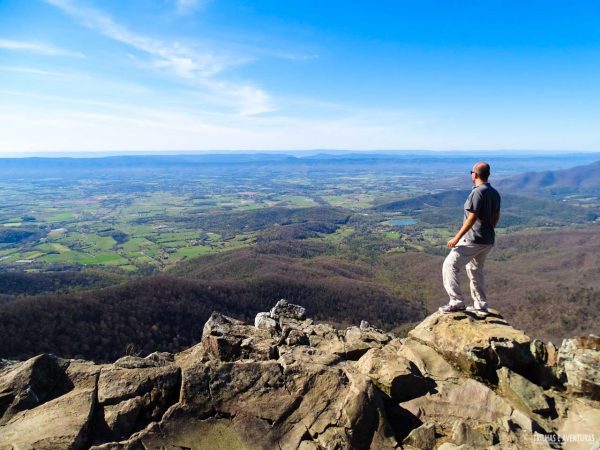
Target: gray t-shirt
x,y
485,201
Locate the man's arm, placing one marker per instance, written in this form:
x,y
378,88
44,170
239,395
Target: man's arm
x,y
471,219
495,219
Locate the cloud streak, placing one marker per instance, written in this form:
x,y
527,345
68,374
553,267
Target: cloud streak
x,y
190,64
38,48
184,7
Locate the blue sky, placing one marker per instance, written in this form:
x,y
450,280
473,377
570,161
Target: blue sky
x,y
169,75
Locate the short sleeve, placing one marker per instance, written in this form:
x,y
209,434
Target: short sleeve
x,y
473,203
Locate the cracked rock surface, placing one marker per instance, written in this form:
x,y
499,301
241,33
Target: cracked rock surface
x,y
285,382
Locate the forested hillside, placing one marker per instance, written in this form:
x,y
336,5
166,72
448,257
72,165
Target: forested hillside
x,y
544,282
573,180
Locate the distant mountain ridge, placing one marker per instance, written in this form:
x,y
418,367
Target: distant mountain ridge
x,y
444,208
579,178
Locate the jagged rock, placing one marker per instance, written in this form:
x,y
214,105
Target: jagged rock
x,y
135,362
326,338
429,362
393,374
121,418
298,385
422,437
351,344
539,351
297,337
464,434
31,383
59,423
156,359
451,446
157,387
228,339
469,400
264,321
287,310
162,358
579,364
478,346
552,352
523,393
357,341
581,427
266,404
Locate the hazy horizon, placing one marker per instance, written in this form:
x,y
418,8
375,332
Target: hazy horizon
x,y
303,153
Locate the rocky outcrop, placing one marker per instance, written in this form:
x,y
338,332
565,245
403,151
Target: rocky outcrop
x,y
456,381
579,365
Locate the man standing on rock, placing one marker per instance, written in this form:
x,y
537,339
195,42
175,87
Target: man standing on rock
x,y
472,243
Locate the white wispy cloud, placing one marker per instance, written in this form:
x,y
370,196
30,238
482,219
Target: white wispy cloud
x,y
189,63
185,7
29,70
37,47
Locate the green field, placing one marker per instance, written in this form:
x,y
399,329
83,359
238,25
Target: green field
x,y
152,219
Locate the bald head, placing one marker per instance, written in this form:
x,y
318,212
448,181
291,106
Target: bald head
x,y
483,170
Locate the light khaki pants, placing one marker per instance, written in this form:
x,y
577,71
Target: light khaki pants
x,y
472,257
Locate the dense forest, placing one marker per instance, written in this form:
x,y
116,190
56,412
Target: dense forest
x,y
544,282
166,313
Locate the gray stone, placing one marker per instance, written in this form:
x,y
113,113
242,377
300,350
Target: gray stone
x,y
158,388
393,374
422,437
161,358
430,363
523,393
463,433
297,337
63,422
579,365
228,339
477,346
31,383
469,400
539,351
121,418
263,321
287,310
583,421
135,362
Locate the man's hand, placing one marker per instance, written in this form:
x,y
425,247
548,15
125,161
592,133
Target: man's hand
x,y
471,218
452,242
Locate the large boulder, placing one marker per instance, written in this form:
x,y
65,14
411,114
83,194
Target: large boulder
x,y
395,375
422,437
303,400
430,363
31,383
478,346
524,394
62,422
579,365
284,309
580,429
158,387
228,339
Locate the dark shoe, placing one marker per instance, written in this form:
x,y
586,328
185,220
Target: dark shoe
x,y
478,312
447,309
